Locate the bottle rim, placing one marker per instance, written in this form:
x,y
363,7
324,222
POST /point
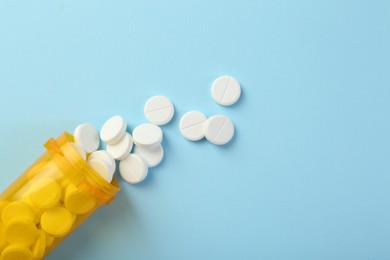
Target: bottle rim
x,y
81,173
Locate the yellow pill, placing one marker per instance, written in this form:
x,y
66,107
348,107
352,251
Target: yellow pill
x,y
2,237
49,240
21,232
77,202
16,252
57,221
45,193
39,247
3,203
37,212
16,209
64,185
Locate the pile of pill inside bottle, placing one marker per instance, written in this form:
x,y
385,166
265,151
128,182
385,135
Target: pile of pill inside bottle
x,y
48,207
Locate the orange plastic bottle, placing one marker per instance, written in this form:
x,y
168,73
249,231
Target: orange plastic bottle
x,y
50,200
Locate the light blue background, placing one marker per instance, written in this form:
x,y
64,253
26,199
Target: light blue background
x,y
307,175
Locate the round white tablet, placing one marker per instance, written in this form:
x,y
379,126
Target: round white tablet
x,y
219,129
133,169
192,125
87,136
226,90
147,135
152,157
101,168
113,130
122,148
159,110
106,157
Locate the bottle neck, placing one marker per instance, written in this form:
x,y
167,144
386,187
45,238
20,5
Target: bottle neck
x,y
78,171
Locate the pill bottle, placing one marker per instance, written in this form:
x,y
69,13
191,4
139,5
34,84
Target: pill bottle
x,y
49,200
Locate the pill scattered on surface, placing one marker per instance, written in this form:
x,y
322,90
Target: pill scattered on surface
x,y
219,129
226,90
106,157
87,137
113,130
133,169
152,157
159,110
147,135
192,125
122,148
101,167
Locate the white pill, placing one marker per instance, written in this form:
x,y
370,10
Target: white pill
x,y
76,147
87,136
152,157
159,110
122,148
133,169
219,129
147,135
226,90
101,168
113,130
192,125
106,157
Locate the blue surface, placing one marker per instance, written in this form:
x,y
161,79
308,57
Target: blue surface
x,y
307,175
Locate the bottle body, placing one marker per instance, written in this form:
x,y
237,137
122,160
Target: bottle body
x,y
53,197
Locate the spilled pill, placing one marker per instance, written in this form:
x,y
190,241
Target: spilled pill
x,y
87,137
152,157
159,110
101,167
106,157
219,129
113,130
192,125
147,135
122,148
133,169
226,90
